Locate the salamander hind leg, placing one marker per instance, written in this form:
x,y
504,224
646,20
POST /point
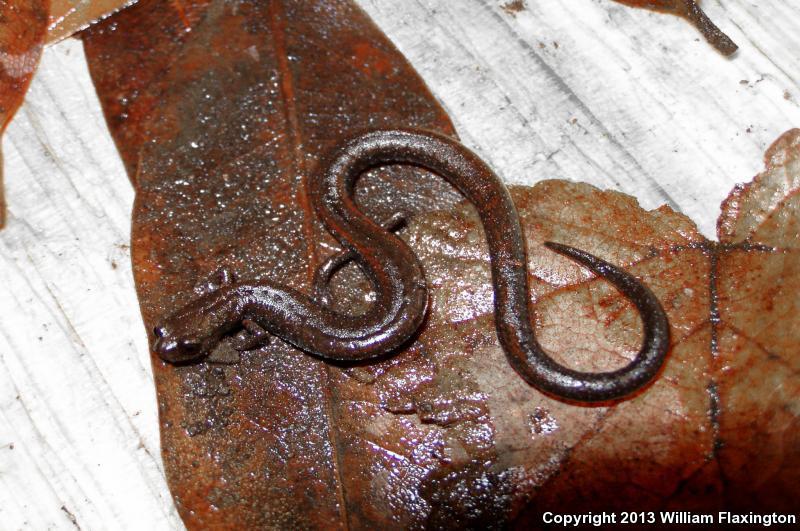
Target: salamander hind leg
x,y
329,267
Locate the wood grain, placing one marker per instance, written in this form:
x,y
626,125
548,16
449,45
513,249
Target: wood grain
x,y
587,90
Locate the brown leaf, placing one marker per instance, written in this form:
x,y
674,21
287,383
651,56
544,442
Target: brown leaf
x,y
22,30
221,111
484,426
690,10
25,26
129,57
71,16
756,337
717,430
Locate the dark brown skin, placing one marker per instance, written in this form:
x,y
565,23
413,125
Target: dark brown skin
x,y
399,281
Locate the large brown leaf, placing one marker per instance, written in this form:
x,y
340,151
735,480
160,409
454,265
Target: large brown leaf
x,y
717,430
129,56
23,24
221,111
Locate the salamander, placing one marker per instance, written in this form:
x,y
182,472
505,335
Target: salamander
x,y
398,279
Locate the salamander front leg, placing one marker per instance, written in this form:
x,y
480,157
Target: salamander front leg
x,y
252,336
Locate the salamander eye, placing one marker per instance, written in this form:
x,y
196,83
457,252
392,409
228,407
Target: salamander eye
x,y
159,331
189,345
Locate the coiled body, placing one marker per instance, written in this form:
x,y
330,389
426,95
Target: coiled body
x,y
398,280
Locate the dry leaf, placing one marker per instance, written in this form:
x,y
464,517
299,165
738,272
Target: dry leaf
x,y
690,10
22,31
71,16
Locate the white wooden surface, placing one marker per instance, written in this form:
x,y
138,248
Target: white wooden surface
x,y
584,90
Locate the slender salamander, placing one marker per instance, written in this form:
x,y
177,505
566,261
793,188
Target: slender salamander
x,y
399,281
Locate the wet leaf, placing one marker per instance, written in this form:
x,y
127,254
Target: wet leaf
x,y
129,57
756,337
690,10
71,16
543,454
717,430
221,111
22,30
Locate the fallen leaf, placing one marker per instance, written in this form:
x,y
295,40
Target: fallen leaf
x,y
22,30
755,333
68,17
25,26
129,57
221,112
490,425
717,431
690,10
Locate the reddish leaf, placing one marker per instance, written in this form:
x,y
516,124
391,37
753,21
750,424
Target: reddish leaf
x,y
690,10
22,30
539,453
718,429
221,111
129,57
756,344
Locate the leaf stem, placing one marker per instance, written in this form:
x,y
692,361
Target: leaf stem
x,y
710,31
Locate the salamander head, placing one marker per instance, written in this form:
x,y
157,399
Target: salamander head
x,y
193,331
175,348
